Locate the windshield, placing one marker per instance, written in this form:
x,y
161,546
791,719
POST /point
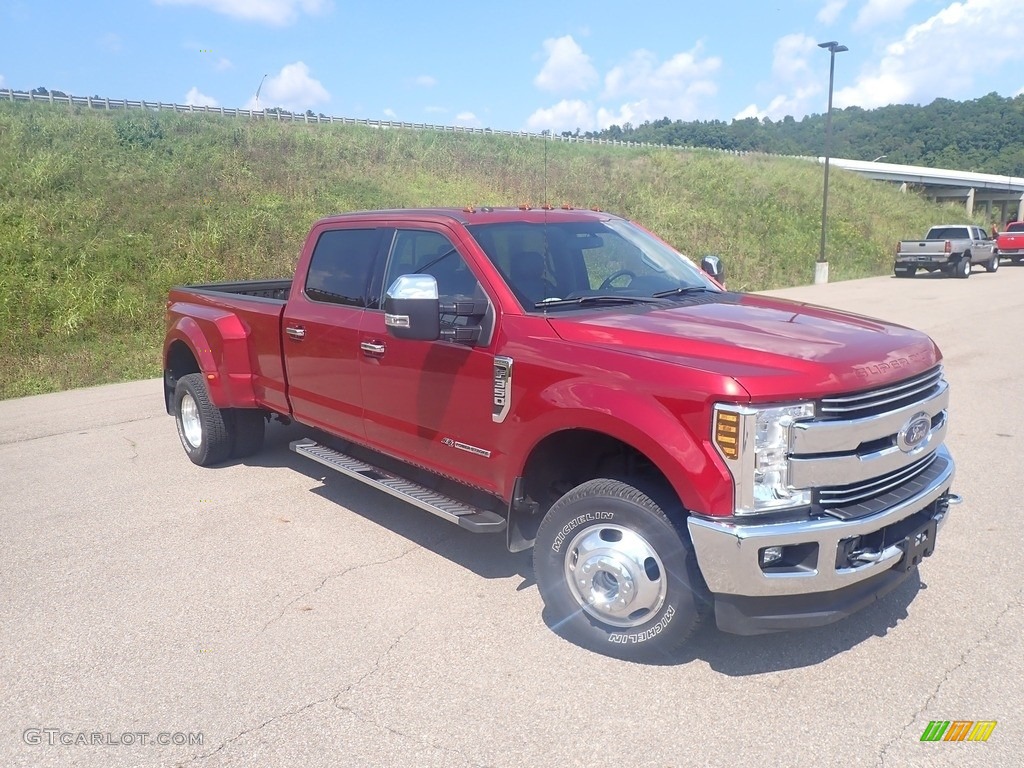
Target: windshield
x,y
547,264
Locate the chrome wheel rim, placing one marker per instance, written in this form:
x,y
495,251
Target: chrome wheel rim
x,y
191,424
615,575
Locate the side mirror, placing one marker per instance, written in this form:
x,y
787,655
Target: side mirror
x,y
411,308
714,266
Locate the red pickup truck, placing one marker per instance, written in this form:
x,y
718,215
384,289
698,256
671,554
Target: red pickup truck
x,y
1010,243
568,379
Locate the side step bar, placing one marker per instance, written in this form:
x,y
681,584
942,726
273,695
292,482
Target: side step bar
x,y
470,518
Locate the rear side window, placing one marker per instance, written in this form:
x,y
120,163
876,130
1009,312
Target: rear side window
x,y
339,271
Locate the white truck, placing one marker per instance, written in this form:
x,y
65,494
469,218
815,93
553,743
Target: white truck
x,y
949,248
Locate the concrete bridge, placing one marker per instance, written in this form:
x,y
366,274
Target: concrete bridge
x,y
1001,196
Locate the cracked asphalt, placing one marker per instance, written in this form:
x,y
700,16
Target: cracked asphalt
x,y
294,619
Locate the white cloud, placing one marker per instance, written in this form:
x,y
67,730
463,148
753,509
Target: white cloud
x,y
1018,93
919,67
794,74
276,12
640,89
435,110
797,103
292,88
467,119
223,64
567,68
196,98
643,75
2,81
875,12
425,81
791,56
390,114
830,11
566,115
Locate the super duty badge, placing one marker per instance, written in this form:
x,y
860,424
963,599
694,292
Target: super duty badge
x,y
502,388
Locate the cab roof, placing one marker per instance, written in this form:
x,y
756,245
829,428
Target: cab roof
x,y
474,215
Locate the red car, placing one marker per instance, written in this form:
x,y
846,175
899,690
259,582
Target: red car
x,y
1011,242
565,378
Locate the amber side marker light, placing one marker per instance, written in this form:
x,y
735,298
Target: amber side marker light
x,y
727,433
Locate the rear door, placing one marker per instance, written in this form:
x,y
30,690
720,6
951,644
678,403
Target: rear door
x,y
321,328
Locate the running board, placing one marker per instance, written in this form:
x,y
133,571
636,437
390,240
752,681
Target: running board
x,y
470,518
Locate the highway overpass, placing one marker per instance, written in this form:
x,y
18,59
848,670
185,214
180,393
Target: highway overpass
x,y
1001,196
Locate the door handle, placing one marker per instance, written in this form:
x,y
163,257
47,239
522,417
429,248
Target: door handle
x,y
296,332
373,347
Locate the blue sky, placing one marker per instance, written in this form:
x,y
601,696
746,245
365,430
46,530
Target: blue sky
x,y
517,65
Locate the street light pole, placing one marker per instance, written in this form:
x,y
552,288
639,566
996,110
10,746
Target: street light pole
x,y
258,92
821,266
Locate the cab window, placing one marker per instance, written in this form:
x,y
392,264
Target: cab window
x,y
431,253
341,265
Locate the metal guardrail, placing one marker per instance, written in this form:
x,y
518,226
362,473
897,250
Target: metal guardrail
x,y
115,104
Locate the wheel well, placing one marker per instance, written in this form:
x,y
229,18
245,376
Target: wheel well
x,y
571,457
180,362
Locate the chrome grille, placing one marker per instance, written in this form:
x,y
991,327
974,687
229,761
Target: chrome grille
x,y
882,400
841,496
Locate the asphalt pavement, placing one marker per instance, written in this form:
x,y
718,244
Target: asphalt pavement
x,y
262,614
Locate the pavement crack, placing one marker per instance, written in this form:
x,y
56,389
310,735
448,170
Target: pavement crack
x,y
256,728
331,577
135,448
1013,603
333,698
377,666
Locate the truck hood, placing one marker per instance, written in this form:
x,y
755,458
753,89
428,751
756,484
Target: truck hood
x,y
774,348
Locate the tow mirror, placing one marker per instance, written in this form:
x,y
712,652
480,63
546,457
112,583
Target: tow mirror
x,y
411,308
714,266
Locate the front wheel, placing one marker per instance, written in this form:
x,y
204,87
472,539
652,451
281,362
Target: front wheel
x,y
616,574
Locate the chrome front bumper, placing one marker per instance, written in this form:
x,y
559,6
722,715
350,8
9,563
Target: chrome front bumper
x,y
729,552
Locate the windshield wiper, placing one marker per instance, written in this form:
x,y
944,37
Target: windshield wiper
x,y
604,298
684,289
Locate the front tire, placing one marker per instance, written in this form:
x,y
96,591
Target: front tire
x,y
616,574
202,427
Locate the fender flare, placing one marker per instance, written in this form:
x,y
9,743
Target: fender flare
x,y
219,343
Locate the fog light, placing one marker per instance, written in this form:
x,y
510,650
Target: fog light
x,y
770,556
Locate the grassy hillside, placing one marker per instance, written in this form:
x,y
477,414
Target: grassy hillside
x,y
101,212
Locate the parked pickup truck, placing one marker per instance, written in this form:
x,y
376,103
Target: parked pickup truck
x,y
949,248
1011,242
567,379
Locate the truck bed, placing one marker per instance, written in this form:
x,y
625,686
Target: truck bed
x,y
238,324
276,290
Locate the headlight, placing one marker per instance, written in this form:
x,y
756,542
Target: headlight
x,y
755,444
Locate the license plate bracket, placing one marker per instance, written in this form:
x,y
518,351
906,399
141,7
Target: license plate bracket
x,y
917,546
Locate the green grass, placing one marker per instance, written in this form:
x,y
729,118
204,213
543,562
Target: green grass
x,y
101,213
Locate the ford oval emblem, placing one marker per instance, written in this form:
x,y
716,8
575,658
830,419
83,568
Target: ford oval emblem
x,y
914,432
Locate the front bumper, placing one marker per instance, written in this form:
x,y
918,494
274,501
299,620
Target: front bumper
x,y
825,585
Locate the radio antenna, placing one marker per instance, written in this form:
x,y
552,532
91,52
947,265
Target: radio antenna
x,y
546,140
